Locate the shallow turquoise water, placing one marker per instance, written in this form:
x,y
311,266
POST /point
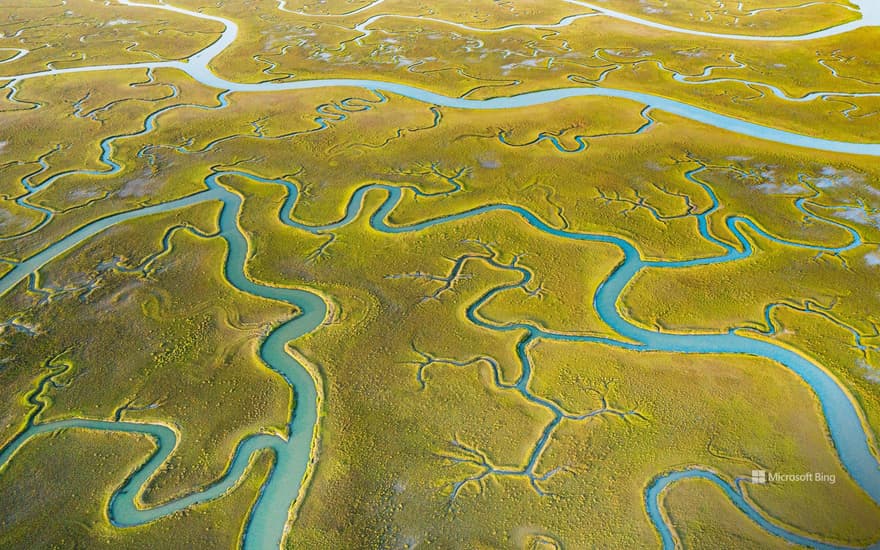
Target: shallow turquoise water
x,y
268,519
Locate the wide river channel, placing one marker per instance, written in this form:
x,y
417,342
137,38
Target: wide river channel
x,y
269,518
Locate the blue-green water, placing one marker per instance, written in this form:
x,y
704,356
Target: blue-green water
x,y
266,524
267,521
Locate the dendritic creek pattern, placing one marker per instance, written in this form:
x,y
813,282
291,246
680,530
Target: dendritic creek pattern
x,y
390,274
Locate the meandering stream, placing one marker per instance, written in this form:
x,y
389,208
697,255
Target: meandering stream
x,y
266,525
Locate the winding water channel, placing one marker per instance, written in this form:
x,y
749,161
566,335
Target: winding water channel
x,y
266,525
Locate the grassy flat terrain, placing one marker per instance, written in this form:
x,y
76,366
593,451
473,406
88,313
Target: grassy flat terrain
x,y
76,34
80,465
191,338
65,181
698,508
166,246
788,17
452,49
